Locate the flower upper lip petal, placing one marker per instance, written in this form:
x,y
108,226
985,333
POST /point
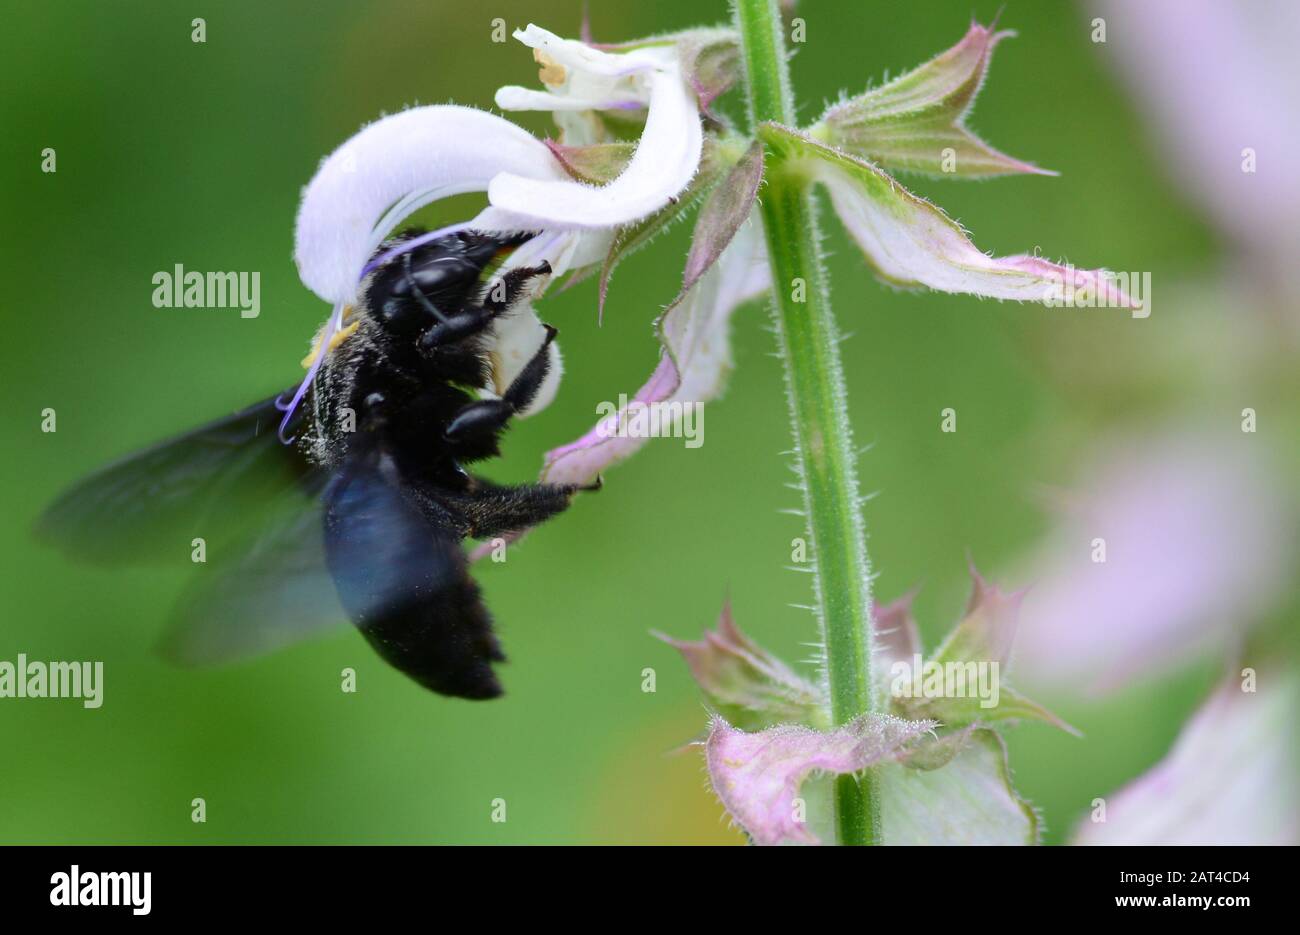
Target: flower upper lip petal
x,y
667,156
412,157
582,57
665,160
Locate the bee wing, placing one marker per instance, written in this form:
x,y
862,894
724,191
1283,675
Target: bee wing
x,y
309,554
364,551
262,592
402,574
150,505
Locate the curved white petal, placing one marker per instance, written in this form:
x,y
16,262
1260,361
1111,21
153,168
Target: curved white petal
x,y
578,56
665,160
393,167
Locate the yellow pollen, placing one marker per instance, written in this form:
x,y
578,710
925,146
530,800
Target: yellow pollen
x,y
335,340
552,72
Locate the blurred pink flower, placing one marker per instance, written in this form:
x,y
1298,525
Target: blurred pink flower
x,y
1215,79
1196,542
1229,779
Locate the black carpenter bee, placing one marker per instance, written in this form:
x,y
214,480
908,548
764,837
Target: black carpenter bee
x,y
368,507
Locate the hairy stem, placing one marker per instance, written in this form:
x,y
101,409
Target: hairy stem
x,y
809,341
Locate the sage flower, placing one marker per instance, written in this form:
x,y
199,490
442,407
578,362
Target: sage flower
x,y
1171,549
590,198
1230,778
406,161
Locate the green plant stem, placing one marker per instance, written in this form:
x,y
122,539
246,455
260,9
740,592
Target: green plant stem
x,y
809,341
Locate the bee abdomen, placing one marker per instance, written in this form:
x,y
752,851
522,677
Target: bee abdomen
x,y
403,579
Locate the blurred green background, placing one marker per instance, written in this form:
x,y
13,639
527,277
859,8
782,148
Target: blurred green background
x,y
174,152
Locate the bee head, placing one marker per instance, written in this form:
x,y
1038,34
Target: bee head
x,y
422,287
414,282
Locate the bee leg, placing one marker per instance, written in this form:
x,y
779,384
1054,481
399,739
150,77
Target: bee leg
x,y
524,388
500,296
486,416
479,422
493,510
505,291
456,328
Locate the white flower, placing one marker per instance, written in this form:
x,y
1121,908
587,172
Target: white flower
x,y
405,161
582,78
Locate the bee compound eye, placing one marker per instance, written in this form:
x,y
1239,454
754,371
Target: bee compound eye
x,y
444,273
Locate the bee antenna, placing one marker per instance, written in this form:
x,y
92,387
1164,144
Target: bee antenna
x,y
335,324
424,299
406,246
